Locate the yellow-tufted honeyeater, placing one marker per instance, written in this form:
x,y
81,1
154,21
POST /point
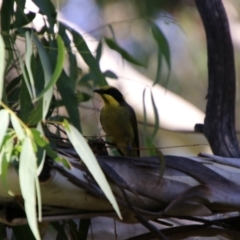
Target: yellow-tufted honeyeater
x,y
119,121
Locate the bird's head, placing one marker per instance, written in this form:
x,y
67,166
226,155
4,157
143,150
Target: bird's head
x,y
110,95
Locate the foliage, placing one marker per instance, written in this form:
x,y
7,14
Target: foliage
x,y
34,83
31,82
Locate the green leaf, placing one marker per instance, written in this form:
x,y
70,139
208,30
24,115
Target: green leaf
x,y
47,8
5,158
4,167
25,102
156,122
88,57
35,116
13,91
73,66
28,58
38,138
125,55
144,113
85,153
58,68
6,14
99,51
47,92
110,74
17,127
27,177
163,48
22,20
69,99
4,120
2,64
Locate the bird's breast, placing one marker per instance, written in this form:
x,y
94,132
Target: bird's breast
x,y
116,123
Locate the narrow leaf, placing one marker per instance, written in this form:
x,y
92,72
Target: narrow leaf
x,y
156,122
27,174
28,63
58,68
163,46
17,127
2,64
125,55
69,99
110,74
86,154
87,56
99,51
4,120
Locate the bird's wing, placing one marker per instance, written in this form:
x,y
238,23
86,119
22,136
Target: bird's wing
x,y
112,142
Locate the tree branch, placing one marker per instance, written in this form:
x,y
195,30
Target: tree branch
x,y
219,124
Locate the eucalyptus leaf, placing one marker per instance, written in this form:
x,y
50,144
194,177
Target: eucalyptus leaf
x,y
163,49
125,55
2,59
99,51
85,153
4,120
47,8
69,99
29,51
27,177
17,127
87,56
110,74
156,115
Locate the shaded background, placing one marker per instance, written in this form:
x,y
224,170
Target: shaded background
x,y
128,22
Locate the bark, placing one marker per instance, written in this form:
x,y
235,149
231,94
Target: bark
x,y
219,124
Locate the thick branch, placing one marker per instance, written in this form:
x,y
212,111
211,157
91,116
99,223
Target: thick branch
x,y
219,124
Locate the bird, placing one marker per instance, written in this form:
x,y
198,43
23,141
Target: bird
x,y
119,122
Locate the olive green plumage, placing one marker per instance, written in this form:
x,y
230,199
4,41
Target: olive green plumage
x,y
119,121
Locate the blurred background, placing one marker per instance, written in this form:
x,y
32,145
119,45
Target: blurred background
x,y
128,23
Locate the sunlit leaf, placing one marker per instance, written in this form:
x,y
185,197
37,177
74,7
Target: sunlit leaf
x,y
125,55
81,147
3,168
49,82
4,120
17,127
27,177
58,68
